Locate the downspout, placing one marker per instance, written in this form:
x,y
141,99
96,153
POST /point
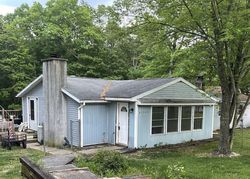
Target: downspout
x,y
136,125
80,112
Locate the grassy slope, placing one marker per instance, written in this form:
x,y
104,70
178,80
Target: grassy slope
x,y
196,164
10,166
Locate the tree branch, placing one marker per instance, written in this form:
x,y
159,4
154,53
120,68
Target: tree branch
x,y
196,22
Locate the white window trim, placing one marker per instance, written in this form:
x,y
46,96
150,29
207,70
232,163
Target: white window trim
x,y
151,121
203,117
192,114
178,129
165,132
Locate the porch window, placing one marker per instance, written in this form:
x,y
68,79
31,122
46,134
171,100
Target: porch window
x,y
157,120
198,117
172,124
186,118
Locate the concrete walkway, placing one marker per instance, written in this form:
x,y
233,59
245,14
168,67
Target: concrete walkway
x,y
85,150
50,150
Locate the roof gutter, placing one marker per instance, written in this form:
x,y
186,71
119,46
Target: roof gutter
x,y
121,99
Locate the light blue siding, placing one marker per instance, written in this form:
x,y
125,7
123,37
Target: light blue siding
x,y
95,124
148,140
131,125
111,122
178,90
24,109
73,123
35,92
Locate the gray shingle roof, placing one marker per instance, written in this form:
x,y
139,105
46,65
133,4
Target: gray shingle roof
x,y
93,89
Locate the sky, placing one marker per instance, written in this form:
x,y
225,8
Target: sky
x,y
8,6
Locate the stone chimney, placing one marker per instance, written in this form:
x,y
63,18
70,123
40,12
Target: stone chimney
x,y
54,79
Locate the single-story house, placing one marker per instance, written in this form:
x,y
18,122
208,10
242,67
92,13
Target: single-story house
x,y
133,113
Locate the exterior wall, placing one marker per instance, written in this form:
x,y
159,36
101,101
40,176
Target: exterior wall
x,y
131,125
73,123
111,119
216,118
145,139
99,123
246,117
95,124
178,90
35,92
24,109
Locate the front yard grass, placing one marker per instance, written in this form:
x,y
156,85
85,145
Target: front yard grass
x,y
10,167
195,159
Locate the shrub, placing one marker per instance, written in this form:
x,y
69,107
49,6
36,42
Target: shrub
x,y
107,163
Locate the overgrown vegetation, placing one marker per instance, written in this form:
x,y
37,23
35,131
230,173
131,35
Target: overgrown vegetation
x,y
105,163
10,166
192,162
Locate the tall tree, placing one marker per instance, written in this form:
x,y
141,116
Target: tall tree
x,y
224,27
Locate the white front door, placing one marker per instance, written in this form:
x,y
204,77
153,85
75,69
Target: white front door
x,y
122,124
33,113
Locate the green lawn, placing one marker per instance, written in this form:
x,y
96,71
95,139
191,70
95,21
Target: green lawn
x,y
195,159
10,166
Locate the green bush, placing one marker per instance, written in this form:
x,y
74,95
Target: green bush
x,y
107,163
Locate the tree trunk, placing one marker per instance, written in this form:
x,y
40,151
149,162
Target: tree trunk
x,y
224,146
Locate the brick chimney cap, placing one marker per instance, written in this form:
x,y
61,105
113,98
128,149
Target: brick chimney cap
x,y
52,59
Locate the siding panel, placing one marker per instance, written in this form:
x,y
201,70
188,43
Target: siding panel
x,y
111,122
35,92
73,124
95,124
178,90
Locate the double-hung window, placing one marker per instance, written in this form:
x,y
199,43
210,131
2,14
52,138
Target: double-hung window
x,y
186,118
158,120
198,117
172,121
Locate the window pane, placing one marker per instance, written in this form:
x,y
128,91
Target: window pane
x,y
172,125
157,123
32,110
186,118
157,120
157,130
186,112
198,117
173,112
197,123
186,124
198,112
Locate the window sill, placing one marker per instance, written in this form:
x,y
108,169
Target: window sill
x,y
181,132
